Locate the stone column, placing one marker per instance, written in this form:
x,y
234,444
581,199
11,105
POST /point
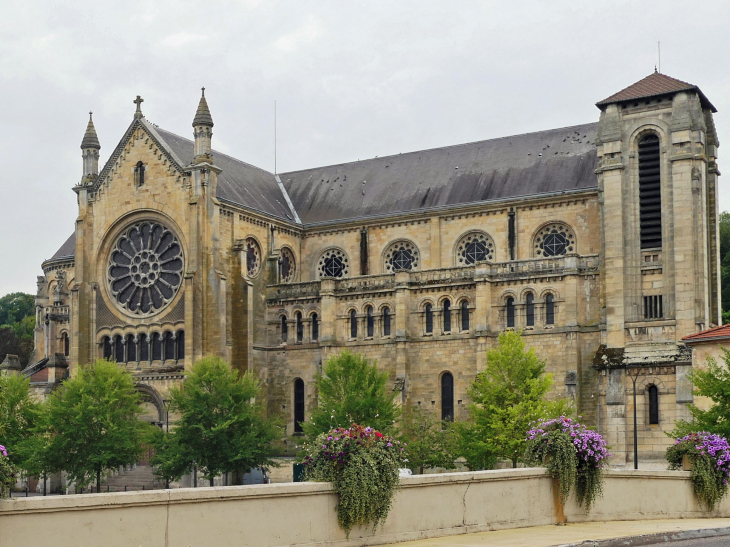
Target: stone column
x,y
402,298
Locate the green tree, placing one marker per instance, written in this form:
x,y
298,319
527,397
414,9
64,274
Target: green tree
x,y
93,423
17,321
712,382
222,428
725,265
506,398
17,415
430,442
351,390
15,306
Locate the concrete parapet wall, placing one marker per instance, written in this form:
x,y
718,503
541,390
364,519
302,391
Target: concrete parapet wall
x,y
304,513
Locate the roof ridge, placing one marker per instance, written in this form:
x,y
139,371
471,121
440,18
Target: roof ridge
x,y
471,143
704,333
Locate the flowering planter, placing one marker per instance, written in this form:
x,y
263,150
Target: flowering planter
x,y
686,463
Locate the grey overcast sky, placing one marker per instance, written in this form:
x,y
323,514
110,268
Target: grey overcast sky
x,y
351,79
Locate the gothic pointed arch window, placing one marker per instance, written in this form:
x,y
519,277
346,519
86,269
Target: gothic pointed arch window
x,y
465,315
333,263
550,309
474,247
386,321
510,309
653,405
429,318
447,315
300,327
353,324
530,309
401,256
554,239
650,198
298,405
447,397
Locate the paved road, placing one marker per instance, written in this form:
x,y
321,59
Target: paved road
x,y
709,542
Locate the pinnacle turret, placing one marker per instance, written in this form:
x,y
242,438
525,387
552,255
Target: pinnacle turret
x,y
202,115
90,139
203,132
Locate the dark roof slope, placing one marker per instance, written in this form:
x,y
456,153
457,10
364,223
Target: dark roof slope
x,y
652,86
239,182
509,167
67,249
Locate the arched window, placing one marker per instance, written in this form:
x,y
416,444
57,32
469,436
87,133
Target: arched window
x,y
139,173
131,349
284,329
550,309
300,327
66,348
465,315
370,322
315,327
510,312
169,346
353,324
653,405
386,321
429,318
447,315
447,397
298,405
530,309
650,198
180,341
144,348
107,347
156,347
119,349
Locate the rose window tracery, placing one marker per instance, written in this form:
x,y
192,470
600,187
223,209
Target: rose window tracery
x,y
253,256
474,247
145,268
333,263
554,239
287,265
401,255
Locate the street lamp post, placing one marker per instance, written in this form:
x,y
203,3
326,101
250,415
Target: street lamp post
x,y
633,372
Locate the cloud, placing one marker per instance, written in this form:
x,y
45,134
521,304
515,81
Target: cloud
x,y
305,34
182,39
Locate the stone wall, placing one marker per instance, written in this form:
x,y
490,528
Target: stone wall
x,y
303,513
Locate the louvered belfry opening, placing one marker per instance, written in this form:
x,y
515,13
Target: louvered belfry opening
x,y
650,202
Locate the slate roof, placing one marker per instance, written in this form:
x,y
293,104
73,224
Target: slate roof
x,y
654,85
67,249
239,182
723,331
522,165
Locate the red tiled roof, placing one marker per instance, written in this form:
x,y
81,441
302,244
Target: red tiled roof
x,y
652,86
722,331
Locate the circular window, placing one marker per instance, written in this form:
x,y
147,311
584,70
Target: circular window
x,y
333,263
554,240
145,268
287,266
253,257
474,247
401,255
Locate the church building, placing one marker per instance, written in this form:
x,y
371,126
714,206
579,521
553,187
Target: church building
x,y
598,241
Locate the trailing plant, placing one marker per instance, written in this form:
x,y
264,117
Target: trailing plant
x,y
8,473
362,465
709,455
574,455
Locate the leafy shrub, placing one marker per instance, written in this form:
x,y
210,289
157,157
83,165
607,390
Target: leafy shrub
x,y
8,473
576,457
362,465
710,458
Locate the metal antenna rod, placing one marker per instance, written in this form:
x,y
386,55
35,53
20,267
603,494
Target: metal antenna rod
x,y
659,55
275,136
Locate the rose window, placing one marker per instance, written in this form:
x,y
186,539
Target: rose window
x,y
474,247
554,240
253,257
333,263
401,255
145,268
287,266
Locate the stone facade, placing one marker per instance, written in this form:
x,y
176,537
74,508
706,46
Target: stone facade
x,y
253,284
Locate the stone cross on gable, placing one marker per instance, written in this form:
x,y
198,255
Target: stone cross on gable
x,y
138,101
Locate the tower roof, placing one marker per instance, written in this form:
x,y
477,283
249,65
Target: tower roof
x,y
654,85
90,139
202,115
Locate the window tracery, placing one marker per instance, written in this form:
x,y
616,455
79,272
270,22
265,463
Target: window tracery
x,y
401,255
253,257
287,265
474,247
333,263
554,239
145,268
